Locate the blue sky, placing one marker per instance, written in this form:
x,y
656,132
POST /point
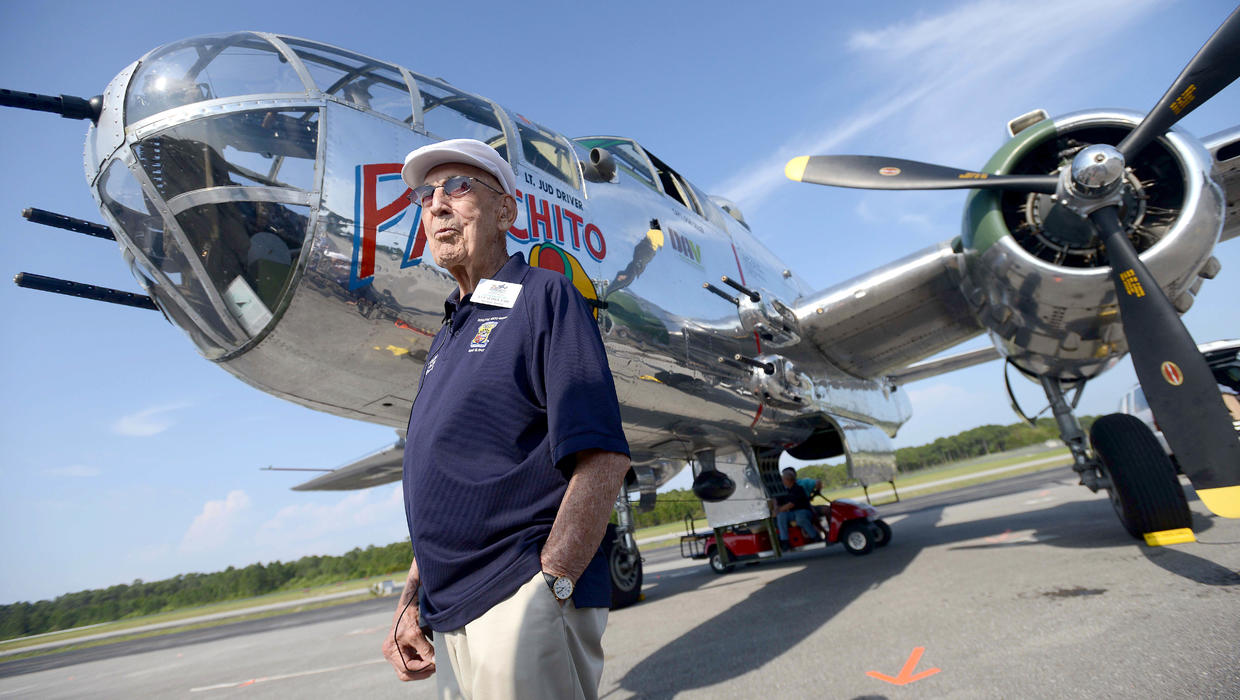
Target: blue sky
x,y
125,455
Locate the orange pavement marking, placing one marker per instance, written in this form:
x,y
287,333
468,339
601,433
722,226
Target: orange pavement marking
x,y
906,674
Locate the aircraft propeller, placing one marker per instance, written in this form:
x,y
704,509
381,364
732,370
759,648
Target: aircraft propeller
x,y
1178,384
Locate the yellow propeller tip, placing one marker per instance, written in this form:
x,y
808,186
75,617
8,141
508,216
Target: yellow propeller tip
x,y
795,169
1223,501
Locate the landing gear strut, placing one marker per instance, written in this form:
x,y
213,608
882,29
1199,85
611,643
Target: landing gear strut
x,y
624,561
1127,462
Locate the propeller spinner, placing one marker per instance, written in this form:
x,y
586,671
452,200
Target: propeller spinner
x,y
1178,384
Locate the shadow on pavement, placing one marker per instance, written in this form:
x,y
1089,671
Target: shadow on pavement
x,y
790,616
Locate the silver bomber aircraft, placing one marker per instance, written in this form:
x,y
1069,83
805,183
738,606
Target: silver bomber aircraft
x,y
252,182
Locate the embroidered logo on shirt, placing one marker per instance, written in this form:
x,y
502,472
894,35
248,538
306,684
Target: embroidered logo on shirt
x,y
483,336
431,364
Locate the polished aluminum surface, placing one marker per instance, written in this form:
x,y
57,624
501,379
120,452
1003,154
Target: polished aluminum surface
x,y
1097,167
254,188
260,205
1224,148
1064,321
891,317
749,501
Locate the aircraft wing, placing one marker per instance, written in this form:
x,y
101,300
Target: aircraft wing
x,y
943,365
381,467
883,321
1224,147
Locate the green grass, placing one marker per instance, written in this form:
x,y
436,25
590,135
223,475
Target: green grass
x,y
954,470
666,529
186,613
182,628
902,482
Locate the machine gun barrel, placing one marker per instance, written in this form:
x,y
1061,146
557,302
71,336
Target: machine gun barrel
x,y
51,218
753,296
86,291
67,106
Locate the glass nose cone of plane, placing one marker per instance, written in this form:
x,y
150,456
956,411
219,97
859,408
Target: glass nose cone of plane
x,y
213,189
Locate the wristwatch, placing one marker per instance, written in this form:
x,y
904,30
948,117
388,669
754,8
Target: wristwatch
x,y
561,586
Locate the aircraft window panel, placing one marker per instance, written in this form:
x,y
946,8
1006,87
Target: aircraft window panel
x,y
141,223
676,189
261,148
356,79
628,159
543,150
210,347
710,211
205,68
673,185
248,250
449,114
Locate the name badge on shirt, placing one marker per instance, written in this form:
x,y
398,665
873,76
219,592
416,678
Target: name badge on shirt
x,y
493,293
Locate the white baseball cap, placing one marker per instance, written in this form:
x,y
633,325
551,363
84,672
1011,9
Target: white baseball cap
x,y
468,151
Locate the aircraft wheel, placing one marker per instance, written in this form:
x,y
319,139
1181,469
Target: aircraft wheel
x,y
1145,492
884,533
626,571
716,564
859,538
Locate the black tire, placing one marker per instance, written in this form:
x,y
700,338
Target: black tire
x,y
859,537
1144,491
716,564
884,533
625,569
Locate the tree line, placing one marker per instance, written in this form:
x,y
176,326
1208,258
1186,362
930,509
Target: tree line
x,y
981,441
187,590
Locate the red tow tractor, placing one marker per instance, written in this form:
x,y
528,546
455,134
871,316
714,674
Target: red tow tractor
x,y
855,525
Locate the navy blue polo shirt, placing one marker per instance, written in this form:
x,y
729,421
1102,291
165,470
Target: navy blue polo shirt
x,y
507,397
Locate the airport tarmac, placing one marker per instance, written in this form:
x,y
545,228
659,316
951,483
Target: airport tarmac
x,y
1022,588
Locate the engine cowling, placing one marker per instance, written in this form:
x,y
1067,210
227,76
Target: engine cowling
x,y
1036,275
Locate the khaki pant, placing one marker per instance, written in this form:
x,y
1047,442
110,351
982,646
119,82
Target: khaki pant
x,y
529,645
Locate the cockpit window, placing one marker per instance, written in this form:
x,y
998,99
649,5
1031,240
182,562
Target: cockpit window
x,y
628,159
359,80
144,228
450,114
547,152
673,185
205,68
249,250
263,148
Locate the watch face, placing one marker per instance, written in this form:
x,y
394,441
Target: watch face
x,y
563,588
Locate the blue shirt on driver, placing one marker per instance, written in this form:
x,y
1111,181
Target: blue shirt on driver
x,y
507,397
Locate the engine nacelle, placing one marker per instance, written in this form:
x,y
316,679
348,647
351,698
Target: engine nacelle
x,y
1037,276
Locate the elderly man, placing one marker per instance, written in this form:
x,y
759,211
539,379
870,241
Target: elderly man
x,y
513,458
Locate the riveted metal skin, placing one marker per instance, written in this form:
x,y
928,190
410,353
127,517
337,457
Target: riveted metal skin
x,y
272,227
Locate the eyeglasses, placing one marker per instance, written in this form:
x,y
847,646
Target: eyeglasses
x,y
454,187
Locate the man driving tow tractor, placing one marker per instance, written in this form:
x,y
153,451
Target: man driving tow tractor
x,y
795,504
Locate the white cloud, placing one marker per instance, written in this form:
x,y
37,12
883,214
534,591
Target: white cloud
x,y
147,422
215,524
73,471
367,510
936,69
